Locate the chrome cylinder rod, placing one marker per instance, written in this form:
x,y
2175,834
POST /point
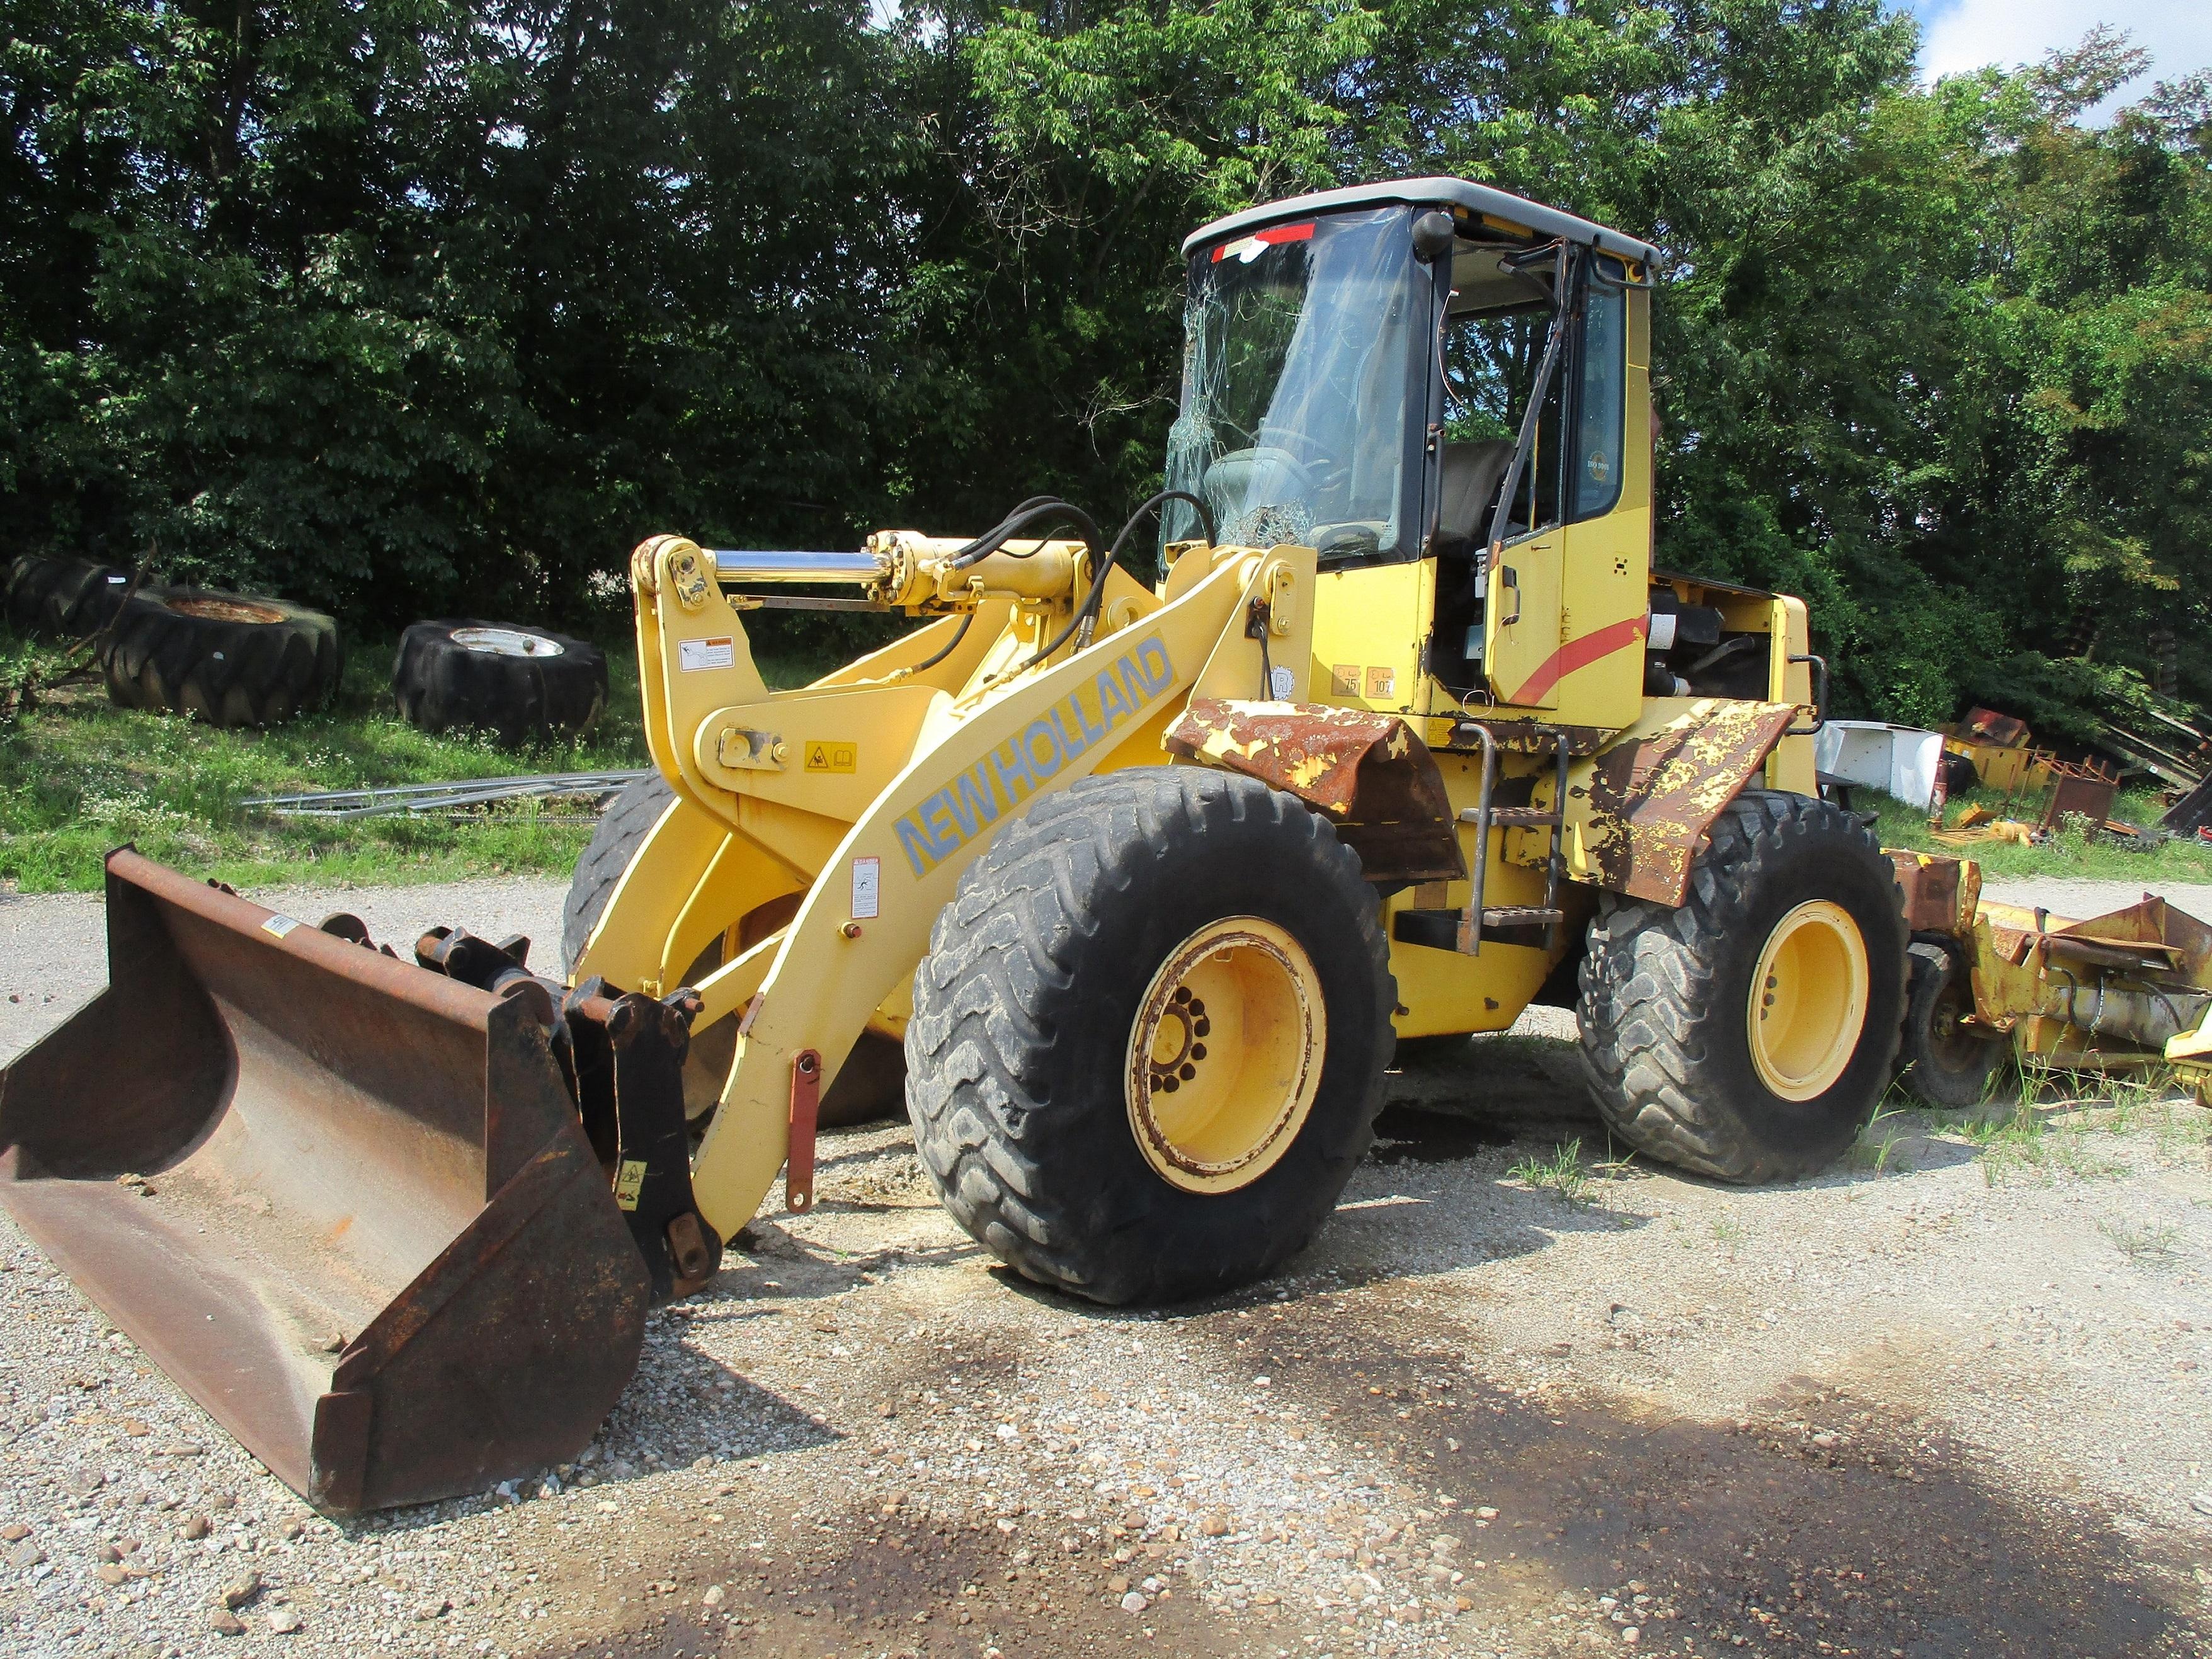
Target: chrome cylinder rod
x,y
745,565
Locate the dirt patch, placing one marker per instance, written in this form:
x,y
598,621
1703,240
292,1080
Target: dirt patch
x,y
1817,1522
1949,1399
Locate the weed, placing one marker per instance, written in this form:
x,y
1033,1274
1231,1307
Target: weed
x,y
1562,1173
2010,1141
1877,1143
1726,1231
2153,1240
2127,1098
2071,1151
2182,1129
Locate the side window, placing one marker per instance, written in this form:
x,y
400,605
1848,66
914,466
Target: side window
x,y
1594,482
1490,360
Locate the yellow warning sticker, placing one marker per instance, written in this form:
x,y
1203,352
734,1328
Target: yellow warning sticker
x,y
832,756
630,1182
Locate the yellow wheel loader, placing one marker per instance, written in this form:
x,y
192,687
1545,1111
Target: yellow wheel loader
x,y
1144,877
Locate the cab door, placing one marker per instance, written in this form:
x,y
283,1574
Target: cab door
x,y
1566,616
1521,637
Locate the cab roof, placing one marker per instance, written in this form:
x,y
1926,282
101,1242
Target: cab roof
x,y
1478,200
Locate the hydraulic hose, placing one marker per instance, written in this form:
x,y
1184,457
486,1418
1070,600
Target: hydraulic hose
x,y
1034,513
1086,614
951,646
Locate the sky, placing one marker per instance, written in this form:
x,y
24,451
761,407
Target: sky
x,y
1963,34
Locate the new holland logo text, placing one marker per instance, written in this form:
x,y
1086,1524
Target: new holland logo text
x,y
974,800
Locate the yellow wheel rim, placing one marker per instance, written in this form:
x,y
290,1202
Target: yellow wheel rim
x,y
1225,1057
1809,1000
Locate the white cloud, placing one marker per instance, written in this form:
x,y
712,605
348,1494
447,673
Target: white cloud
x,y
1968,34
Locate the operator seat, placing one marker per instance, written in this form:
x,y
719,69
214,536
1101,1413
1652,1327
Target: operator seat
x,y
1469,475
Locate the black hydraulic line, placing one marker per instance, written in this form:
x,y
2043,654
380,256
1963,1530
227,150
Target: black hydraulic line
x,y
951,646
1086,614
996,533
1029,516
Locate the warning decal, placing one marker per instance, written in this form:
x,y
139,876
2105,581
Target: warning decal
x,y
867,889
832,756
692,655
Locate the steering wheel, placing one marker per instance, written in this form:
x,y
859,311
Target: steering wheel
x,y
1281,437
1269,457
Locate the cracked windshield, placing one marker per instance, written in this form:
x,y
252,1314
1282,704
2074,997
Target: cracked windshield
x,y
1297,347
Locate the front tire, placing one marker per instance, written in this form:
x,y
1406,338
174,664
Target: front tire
x,y
1749,1034
1148,1041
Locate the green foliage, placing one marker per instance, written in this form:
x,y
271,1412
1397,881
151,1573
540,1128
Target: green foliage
x,y
409,306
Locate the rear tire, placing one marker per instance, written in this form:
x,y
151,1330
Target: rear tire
x,y
230,658
1678,1067
1945,1064
1068,967
516,682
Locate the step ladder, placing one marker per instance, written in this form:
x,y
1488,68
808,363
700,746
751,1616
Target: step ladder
x,y
1477,918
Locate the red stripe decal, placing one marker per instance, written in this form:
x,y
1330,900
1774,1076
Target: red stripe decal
x,y
1274,236
1579,653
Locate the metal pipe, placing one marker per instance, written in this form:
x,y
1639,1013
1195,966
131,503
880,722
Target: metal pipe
x,y
746,565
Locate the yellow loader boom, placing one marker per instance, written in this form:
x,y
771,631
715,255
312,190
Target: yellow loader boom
x,y
1134,884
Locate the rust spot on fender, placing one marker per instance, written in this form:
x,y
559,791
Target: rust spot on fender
x,y
1644,802
1368,773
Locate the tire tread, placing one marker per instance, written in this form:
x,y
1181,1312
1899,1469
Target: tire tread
x,y
1649,988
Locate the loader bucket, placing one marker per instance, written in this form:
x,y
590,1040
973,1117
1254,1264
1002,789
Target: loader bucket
x,y
347,1204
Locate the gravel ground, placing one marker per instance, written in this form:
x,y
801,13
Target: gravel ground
x,y
1947,1398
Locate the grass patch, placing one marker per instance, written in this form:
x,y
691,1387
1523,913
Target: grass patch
x,y
2027,1139
1562,1174
1876,1149
2151,1243
2100,858
79,776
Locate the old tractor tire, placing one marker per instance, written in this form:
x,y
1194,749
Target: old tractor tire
x,y
516,682
870,1084
230,658
61,598
1063,1005
1943,1062
1750,1034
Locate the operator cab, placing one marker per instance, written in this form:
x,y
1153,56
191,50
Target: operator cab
x,y
1359,371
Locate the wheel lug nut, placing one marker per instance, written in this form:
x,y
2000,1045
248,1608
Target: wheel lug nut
x,y
1168,1085
1198,1051
1188,1071
1204,1027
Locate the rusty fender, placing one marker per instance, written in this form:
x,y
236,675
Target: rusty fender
x,y
1638,809
1367,773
